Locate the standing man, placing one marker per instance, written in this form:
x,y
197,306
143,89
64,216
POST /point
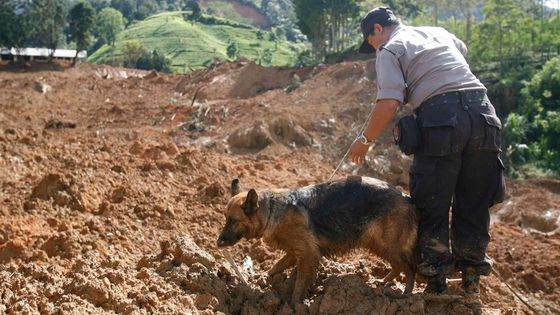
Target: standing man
x,y
457,163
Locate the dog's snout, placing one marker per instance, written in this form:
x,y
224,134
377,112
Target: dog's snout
x,y
228,238
221,241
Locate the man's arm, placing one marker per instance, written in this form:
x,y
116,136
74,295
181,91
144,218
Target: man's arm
x,y
383,114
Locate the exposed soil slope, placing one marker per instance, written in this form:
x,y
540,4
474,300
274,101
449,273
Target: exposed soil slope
x,y
113,184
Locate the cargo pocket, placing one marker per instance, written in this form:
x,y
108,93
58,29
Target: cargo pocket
x,y
423,183
500,195
437,135
492,133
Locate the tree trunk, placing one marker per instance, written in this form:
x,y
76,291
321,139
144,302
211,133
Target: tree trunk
x,y
468,29
435,13
75,58
500,54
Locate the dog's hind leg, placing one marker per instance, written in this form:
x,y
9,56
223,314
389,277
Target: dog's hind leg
x,y
286,262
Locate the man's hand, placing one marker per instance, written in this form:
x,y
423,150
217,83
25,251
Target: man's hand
x,y
382,114
357,153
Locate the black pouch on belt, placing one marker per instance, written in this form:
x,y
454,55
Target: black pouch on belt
x,y
407,134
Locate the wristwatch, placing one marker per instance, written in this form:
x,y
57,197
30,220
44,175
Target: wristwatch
x,y
364,140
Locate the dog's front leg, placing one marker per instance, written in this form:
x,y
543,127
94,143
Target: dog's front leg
x,y
410,275
306,272
286,262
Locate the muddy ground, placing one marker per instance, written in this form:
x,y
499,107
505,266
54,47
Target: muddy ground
x,y
113,184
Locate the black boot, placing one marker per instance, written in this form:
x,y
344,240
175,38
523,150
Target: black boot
x,y
436,284
471,280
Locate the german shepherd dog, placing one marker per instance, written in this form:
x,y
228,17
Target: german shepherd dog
x,y
327,219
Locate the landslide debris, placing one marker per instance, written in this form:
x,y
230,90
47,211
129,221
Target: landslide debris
x,y
120,214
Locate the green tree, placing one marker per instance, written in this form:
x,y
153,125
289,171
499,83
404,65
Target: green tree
x,y
132,51
48,20
264,6
328,24
14,29
99,4
110,22
155,61
304,59
232,51
502,53
137,9
500,28
266,57
160,62
194,7
406,8
533,133
272,36
81,19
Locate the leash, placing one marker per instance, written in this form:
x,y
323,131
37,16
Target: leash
x,y
497,274
348,151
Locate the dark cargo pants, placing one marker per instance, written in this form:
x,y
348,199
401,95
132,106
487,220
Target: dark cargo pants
x,y
457,166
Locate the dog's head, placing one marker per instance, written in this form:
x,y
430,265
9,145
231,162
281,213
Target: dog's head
x,y
242,216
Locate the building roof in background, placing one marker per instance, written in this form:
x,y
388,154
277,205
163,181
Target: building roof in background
x,y
43,52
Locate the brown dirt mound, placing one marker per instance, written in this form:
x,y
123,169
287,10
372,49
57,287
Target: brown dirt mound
x,y
245,80
248,11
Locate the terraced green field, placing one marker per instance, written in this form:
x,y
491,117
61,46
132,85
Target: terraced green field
x,y
192,45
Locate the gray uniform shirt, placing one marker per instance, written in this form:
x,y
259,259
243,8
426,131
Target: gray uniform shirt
x,y
432,60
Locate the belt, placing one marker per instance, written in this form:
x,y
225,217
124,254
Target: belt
x,y
465,97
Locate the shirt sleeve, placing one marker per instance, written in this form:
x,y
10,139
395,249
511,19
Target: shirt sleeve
x,y
390,81
460,45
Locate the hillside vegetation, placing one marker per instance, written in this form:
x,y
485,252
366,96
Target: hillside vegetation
x,y
192,44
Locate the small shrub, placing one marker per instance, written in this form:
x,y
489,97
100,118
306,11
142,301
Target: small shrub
x,y
232,51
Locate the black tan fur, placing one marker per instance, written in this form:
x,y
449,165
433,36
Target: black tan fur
x,y
326,219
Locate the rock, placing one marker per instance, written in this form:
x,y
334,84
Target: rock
x,y
29,205
289,132
118,194
346,294
255,137
171,149
533,282
57,124
63,199
48,187
151,75
154,153
185,250
205,301
137,148
43,87
166,166
118,169
213,190
60,245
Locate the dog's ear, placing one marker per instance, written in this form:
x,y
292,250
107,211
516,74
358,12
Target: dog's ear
x,y
235,187
251,203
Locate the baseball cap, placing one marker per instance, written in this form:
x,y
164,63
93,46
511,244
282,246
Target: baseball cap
x,y
381,16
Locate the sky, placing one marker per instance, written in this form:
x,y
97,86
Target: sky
x,y
552,3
